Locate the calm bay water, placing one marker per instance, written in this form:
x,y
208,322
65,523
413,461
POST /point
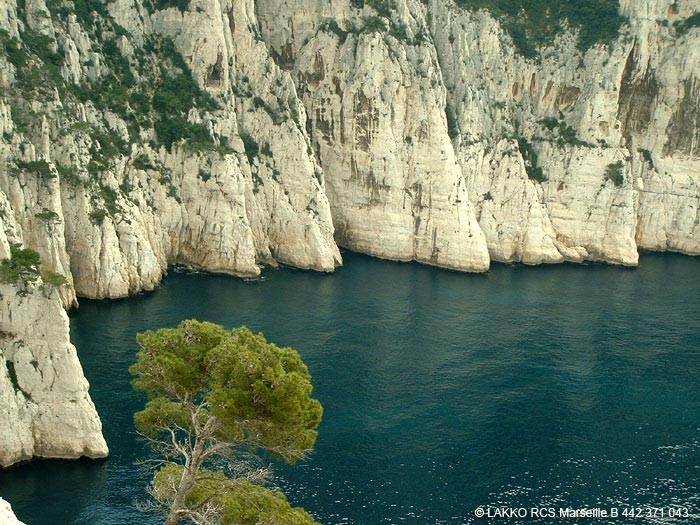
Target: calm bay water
x,y
555,386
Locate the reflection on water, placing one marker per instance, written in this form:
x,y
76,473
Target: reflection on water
x,y
563,385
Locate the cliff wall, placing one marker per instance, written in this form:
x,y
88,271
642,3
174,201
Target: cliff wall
x,y
436,133
44,402
229,134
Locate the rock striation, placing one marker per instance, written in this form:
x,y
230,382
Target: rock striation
x,y
397,99
226,135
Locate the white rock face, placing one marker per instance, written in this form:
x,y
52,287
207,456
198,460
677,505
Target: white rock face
x,y
378,101
112,222
394,184
412,130
379,131
412,145
44,398
224,212
660,114
573,213
619,101
290,213
7,517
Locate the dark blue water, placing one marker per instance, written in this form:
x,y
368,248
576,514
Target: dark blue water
x,y
556,386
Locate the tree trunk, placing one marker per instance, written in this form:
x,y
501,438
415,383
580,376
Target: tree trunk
x,y
189,476
186,484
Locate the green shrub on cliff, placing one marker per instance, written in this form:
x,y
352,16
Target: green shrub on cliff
x,y
533,23
530,158
53,278
22,266
181,5
40,168
682,27
615,172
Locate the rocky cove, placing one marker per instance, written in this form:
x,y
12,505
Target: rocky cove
x,y
442,392
230,135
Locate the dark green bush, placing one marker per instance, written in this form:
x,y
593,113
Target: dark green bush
x,y
110,196
23,265
182,5
373,24
562,133
224,148
550,123
452,126
530,159
331,26
13,50
40,45
142,162
615,172
382,7
85,10
98,216
47,215
251,147
646,155
533,23
174,95
53,278
40,168
68,174
682,27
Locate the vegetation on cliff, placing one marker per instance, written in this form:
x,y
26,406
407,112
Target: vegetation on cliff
x,y
143,94
24,266
533,23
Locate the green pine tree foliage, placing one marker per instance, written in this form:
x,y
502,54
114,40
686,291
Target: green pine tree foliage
x,y
217,399
242,503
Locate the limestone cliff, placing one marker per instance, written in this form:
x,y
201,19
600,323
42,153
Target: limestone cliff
x,y
229,134
44,402
400,128
134,139
574,154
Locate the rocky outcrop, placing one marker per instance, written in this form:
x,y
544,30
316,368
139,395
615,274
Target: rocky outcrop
x,y
109,199
659,101
44,399
7,517
560,158
527,143
378,125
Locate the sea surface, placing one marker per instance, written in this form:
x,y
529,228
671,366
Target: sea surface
x,y
444,393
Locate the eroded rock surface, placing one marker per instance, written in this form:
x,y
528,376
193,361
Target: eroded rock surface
x,y
228,135
44,402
